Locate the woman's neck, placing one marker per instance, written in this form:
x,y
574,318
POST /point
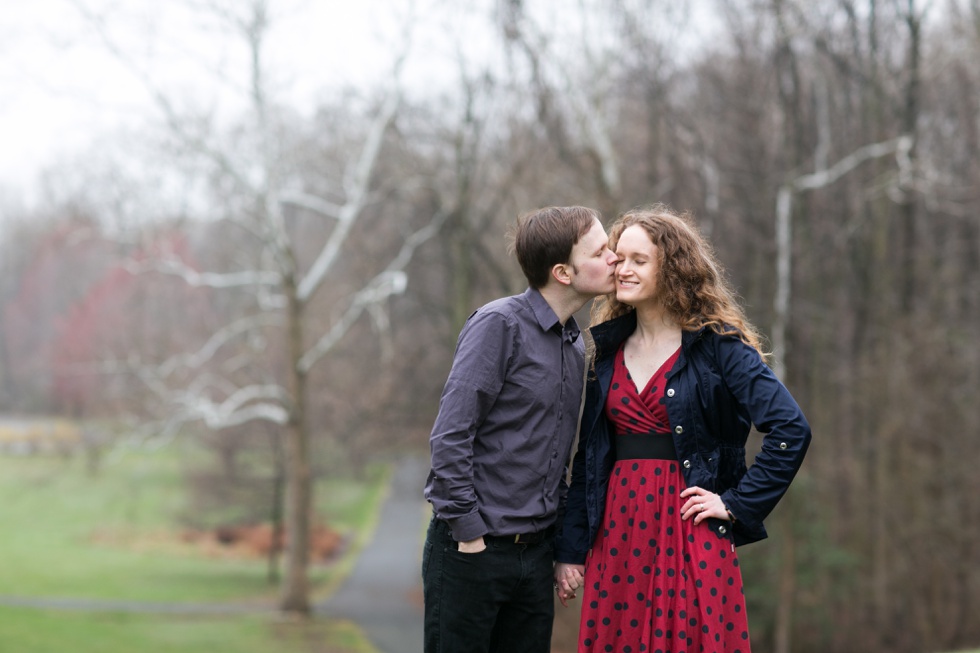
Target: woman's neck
x,y
653,323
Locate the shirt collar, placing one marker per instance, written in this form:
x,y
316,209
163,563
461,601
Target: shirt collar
x,y
547,319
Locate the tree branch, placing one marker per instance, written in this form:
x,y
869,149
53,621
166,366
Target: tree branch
x,y
391,281
176,267
784,237
357,187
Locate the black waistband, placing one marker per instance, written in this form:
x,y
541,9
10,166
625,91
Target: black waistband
x,y
523,538
645,446
441,528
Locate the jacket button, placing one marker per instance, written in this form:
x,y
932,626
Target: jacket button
x,y
687,464
680,429
782,445
670,392
722,530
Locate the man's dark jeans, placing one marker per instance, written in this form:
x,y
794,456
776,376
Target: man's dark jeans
x,y
496,601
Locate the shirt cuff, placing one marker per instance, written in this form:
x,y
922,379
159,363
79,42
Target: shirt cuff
x,y
468,527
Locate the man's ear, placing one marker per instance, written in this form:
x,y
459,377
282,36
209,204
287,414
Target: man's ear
x,y
561,274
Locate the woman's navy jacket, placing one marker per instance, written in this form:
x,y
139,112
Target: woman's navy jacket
x,y
717,389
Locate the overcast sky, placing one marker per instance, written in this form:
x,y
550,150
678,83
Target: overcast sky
x,y
60,89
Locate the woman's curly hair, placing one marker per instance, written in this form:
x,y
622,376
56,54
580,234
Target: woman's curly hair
x,y
692,284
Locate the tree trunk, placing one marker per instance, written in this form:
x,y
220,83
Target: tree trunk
x,y
910,117
789,93
275,548
299,481
786,581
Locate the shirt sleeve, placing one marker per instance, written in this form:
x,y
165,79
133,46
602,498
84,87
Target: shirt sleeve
x,y
479,369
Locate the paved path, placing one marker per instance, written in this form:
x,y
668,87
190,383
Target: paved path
x,y
383,593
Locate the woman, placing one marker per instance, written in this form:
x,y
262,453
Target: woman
x,y
660,493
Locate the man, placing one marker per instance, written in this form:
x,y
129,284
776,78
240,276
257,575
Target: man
x,y
501,442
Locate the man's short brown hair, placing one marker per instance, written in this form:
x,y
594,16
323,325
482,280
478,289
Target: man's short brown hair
x,y
544,238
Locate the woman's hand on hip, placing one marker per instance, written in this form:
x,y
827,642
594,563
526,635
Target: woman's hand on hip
x,y
702,504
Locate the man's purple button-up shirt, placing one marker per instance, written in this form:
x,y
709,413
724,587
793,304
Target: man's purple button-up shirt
x,y
507,419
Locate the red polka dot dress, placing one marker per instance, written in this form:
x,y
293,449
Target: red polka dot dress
x,y
655,583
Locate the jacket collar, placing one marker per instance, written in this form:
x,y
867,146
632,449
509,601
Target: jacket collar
x,y
610,334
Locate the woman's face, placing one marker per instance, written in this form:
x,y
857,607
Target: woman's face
x,y
638,267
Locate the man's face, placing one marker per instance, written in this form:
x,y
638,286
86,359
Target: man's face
x,y
593,264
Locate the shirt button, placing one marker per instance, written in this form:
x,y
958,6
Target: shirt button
x,y
782,445
722,530
678,429
670,392
687,464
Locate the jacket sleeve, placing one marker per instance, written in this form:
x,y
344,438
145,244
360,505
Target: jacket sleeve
x,y
571,538
572,542
774,412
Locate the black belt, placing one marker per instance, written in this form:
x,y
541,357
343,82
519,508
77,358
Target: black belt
x,y
522,538
645,446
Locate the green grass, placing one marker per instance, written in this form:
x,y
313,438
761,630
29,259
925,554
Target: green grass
x,y
66,533
26,630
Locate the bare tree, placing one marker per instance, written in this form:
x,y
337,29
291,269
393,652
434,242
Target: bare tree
x,y
269,190
574,112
